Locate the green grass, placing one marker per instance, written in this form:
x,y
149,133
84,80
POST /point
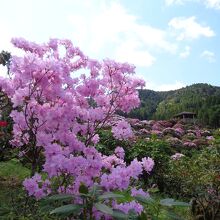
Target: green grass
x,y
12,173
13,169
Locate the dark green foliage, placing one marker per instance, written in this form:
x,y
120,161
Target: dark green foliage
x,y
108,143
197,177
5,132
5,58
149,102
156,149
188,174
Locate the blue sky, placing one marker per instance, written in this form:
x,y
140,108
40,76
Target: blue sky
x,y
173,43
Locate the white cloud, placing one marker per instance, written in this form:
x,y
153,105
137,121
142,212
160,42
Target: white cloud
x,y
208,55
186,52
110,29
178,2
6,37
173,86
130,51
215,4
189,29
165,87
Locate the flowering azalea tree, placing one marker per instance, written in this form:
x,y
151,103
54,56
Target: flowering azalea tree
x,y
61,100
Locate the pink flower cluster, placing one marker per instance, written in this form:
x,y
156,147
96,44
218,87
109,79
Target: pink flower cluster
x,y
126,207
148,164
121,175
33,187
119,152
177,156
135,192
210,138
189,144
122,130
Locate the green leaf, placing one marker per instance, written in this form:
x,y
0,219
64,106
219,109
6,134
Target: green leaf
x,y
85,195
104,208
183,204
96,190
119,215
83,189
46,208
172,202
69,209
132,215
173,216
144,216
63,197
167,202
110,195
144,200
4,211
153,190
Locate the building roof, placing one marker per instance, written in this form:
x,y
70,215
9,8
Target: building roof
x,y
185,113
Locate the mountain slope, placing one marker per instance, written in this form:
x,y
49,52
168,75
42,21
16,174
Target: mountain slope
x,y
202,99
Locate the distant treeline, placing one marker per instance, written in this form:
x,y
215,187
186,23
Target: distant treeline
x,y
203,99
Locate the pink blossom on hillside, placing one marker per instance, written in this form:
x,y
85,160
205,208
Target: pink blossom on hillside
x,y
135,192
210,138
120,176
157,127
122,130
177,156
189,144
119,152
125,207
198,133
112,161
156,132
33,187
118,179
135,169
148,164
179,130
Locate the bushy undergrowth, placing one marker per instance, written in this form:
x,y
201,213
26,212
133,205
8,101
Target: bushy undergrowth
x,y
184,173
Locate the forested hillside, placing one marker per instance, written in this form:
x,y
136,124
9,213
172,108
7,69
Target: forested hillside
x,y
203,99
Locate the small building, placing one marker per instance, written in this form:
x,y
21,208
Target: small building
x,y
186,116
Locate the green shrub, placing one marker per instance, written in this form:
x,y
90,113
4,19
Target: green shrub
x,y
108,143
198,178
159,151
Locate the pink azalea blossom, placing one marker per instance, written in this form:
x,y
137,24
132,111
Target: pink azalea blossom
x,y
59,110
122,130
148,164
177,156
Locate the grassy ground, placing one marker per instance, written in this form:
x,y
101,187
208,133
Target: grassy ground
x,y
12,173
13,169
